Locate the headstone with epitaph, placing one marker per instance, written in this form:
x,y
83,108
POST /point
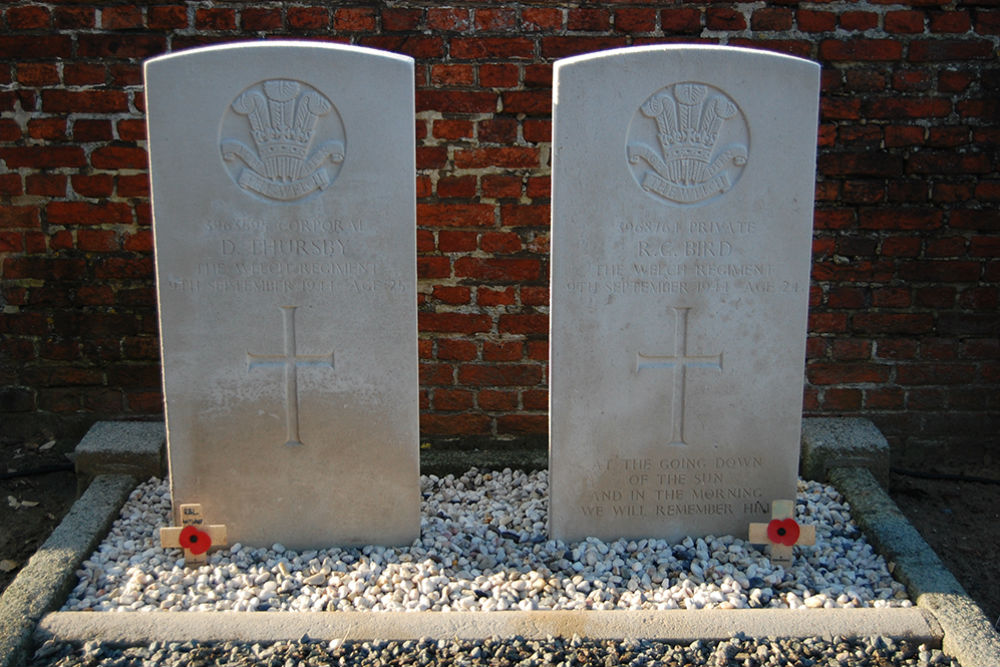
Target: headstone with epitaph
x,y
284,223
683,182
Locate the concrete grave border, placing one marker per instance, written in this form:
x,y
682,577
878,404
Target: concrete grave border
x,y
945,616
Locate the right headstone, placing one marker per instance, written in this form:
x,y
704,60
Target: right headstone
x,y
683,181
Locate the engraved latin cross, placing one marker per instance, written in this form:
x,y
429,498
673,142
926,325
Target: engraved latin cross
x,y
291,361
680,359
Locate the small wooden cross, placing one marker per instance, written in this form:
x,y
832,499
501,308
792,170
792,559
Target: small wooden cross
x,y
193,535
782,532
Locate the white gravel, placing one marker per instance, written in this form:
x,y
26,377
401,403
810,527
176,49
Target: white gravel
x,y
483,547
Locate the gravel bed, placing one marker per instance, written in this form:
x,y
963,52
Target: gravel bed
x,y
864,652
483,547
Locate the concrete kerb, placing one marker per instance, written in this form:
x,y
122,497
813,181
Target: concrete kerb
x,y
51,573
939,597
968,635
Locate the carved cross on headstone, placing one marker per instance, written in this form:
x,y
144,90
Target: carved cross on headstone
x,y
683,359
291,361
193,535
782,532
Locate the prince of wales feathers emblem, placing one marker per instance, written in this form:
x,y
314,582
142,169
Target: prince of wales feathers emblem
x,y
283,122
688,124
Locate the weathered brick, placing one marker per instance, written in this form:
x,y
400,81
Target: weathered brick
x,y
498,269
499,375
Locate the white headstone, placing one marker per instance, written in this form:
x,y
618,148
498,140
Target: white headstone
x,y
284,222
683,182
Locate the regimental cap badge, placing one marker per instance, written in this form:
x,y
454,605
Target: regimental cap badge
x,y
284,118
688,122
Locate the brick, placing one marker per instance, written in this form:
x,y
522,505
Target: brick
x,y
465,423
433,267
562,47
396,19
894,323
860,49
850,349
37,74
530,102
772,18
96,240
498,269
537,19
906,107
453,215
841,399
133,186
19,217
471,48
457,187
912,80
87,130
524,324
28,17
126,17
451,349
938,50
503,19
70,18
448,19
886,398
724,18
50,129
500,242
92,185
941,271
846,297
951,81
905,21
937,296
499,375
537,130
846,373
934,374
809,20
859,21
129,46
84,213
901,219
119,157
863,192
860,164
503,351
950,22
538,76
452,129
174,17
456,241
215,18
112,268
497,130
891,297
41,157
431,157
76,74
500,75
987,22
500,186
953,246
10,184
415,46
948,162
488,297
307,18
496,400
510,157
952,192
453,400
27,47
589,20
446,101
522,423
452,295
91,101
684,20
453,75
454,323
635,20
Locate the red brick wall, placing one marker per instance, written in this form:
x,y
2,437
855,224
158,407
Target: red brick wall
x,y
905,282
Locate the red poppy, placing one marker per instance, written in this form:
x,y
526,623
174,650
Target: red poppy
x,y
783,531
194,540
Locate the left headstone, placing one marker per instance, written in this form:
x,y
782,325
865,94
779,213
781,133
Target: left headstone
x,y
283,187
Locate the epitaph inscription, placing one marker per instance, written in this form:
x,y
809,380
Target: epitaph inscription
x,y
295,140
701,143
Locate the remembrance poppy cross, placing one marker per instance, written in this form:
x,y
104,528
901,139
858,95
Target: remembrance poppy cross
x,y
193,535
782,532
